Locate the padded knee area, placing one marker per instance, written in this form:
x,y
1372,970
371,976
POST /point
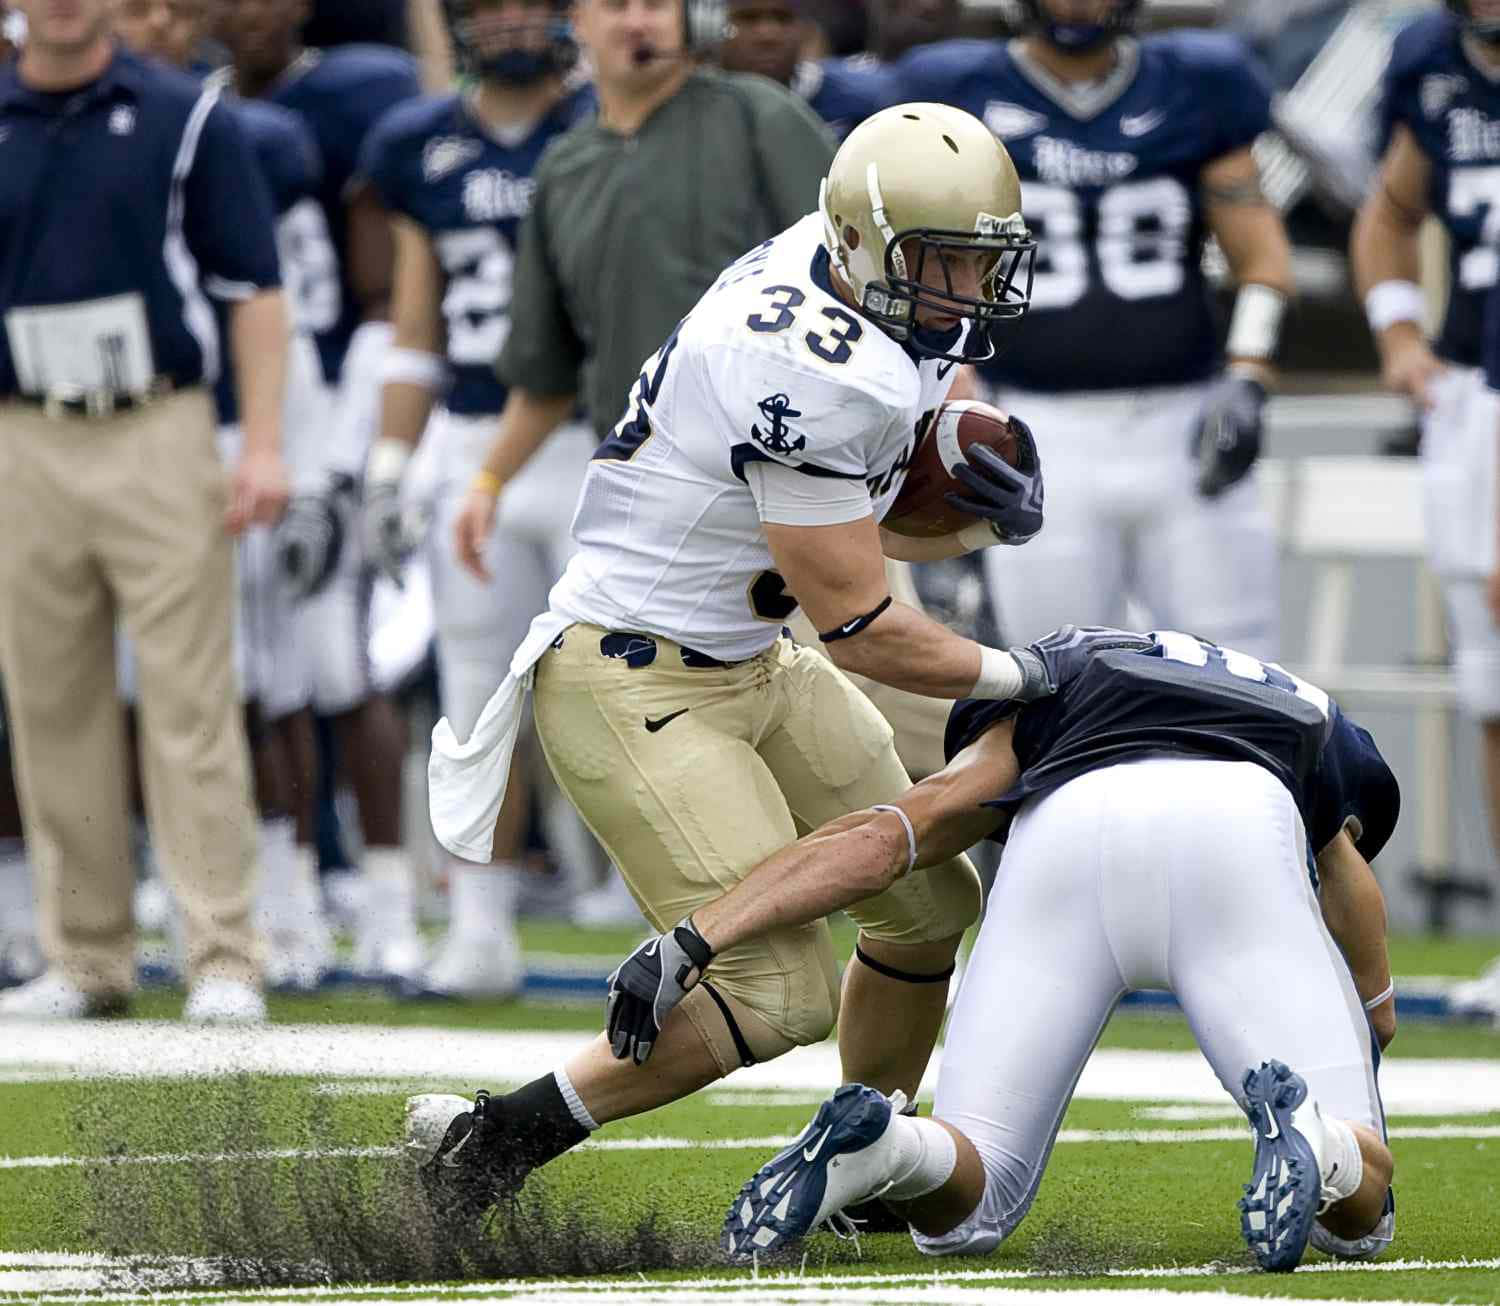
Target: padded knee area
x,y
926,906
765,1030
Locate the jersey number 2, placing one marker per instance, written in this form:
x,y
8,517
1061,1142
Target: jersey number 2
x,y
477,306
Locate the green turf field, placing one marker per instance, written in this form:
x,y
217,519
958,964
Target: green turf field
x,y
219,1186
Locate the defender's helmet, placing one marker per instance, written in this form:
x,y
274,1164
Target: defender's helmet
x,y
1485,29
506,61
1077,38
918,181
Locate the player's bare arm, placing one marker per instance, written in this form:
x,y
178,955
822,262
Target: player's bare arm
x,y
1254,242
838,576
258,330
372,253
414,373
1354,911
1386,263
527,421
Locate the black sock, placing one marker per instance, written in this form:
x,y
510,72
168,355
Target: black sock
x,y
538,1125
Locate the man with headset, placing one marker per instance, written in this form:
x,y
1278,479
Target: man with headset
x,y
635,213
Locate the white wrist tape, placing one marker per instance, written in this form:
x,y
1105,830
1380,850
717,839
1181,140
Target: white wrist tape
x,y
1394,301
414,367
387,462
911,834
1255,328
978,536
999,676
1388,992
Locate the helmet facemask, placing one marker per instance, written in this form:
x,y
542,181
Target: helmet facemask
x,y
1482,29
515,65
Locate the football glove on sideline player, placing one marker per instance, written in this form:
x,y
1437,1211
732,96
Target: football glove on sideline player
x,y
1227,442
648,984
391,531
310,541
1009,498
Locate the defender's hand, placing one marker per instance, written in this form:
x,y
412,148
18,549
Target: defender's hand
x,y
258,491
1407,364
648,984
1009,498
476,519
1228,439
309,542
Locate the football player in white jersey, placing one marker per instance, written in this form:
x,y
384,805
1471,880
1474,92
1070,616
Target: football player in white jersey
x,y
763,444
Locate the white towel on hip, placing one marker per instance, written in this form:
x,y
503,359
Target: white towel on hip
x,y
466,781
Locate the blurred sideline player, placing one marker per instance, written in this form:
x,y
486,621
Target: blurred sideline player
x,y
1131,153
764,443
1166,799
455,172
272,665
1440,129
345,287
768,36
898,26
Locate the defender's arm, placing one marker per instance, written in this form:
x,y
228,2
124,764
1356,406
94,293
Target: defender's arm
x,y
1354,911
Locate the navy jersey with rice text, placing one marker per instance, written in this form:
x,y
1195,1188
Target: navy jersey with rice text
x,y
293,169
431,162
1110,188
341,94
844,92
1122,696
1453,111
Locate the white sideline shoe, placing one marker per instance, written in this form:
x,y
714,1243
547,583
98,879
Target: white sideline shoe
x,y
476,968
1478,997
53,996
217,1001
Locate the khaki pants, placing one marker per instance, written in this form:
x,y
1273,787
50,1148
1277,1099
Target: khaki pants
x,y
740,761
124,517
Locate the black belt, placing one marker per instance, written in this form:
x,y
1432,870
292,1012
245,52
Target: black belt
x,y
640,651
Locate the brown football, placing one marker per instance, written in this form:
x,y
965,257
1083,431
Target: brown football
x,y
920,511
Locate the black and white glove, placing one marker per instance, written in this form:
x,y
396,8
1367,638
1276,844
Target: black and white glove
x,y
309,541
1065,653
1009,498
388,529
648,984
1227,442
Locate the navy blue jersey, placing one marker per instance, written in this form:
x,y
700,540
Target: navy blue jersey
x,y
1110,188
1453,111
123,206
1120,699
341,94
1490,359
293,169
844,92
430,161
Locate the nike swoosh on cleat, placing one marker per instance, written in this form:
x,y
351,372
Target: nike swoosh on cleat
x,y
1275,1130
653,726
811,1153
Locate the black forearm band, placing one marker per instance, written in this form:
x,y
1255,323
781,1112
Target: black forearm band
x,y
747,1057
850,628
905,976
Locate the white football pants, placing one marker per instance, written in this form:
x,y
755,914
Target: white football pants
x,y
1170,873
1125,521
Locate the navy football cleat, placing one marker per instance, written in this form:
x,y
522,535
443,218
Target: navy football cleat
x,y
1285,1190
833,1163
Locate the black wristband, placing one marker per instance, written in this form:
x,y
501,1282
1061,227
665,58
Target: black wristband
x,y
850,628
693,943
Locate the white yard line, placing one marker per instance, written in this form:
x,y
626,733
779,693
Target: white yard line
x,y
469,1058
656,1143
111,1279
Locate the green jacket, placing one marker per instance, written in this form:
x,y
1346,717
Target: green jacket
x,y
626,233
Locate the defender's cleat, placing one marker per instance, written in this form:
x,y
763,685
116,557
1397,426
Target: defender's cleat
x,y
462,1153
1282,1198
832,1163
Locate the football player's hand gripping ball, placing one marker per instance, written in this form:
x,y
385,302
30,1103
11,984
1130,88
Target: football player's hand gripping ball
x,y
648,984
1009,498
1228,439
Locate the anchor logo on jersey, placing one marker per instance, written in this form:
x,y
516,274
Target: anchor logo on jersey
x,y
775,410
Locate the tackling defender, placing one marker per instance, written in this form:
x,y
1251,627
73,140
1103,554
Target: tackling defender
x,y
456,173
1160,809
1132,152
763,444
1440,123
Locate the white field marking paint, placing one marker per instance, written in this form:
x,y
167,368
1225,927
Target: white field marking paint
x,y
1226,1112
112,1280
166,1049
756,1292
655,1143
